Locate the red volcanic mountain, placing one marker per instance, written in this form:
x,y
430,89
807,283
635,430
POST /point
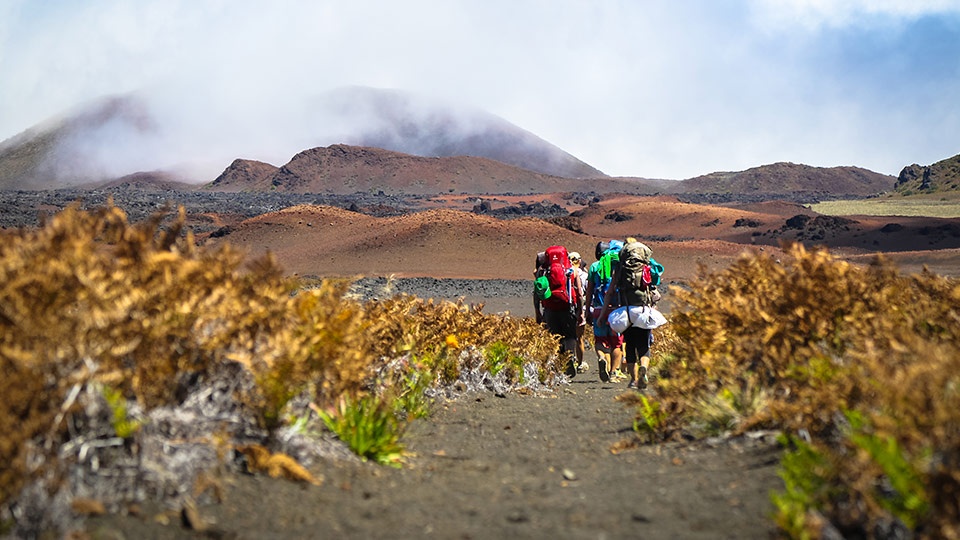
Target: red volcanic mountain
x,y
245,175
792,178
343,169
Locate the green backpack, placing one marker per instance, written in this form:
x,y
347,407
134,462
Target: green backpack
x,y
637,275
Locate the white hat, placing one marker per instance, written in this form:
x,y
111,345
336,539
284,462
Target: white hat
x,y
574,256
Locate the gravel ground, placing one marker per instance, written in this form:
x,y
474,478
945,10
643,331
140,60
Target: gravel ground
x,y
496,295
448,289
513,466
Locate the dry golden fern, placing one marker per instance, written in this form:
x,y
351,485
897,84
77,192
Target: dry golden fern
x,y
818,338
141,308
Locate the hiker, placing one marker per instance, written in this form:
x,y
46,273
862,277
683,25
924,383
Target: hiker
x,y
631,286
580,280
556,300
607,343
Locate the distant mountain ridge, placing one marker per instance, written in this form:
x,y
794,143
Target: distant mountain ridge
x,y
345,169
792,178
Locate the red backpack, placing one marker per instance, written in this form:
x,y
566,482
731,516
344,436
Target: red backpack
x,y
563,290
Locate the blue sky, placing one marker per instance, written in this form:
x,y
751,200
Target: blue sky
x,y
660,89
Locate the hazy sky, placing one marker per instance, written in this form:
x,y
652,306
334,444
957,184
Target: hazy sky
x,y
660,89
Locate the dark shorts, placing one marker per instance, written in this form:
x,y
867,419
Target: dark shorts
x,y
562,323
638,343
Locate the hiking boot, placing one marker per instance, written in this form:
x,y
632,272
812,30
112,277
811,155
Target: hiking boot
x,y
571,369
582,367
632,385
602,367
643,378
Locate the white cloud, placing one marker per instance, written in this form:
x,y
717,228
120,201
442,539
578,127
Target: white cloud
x,y
813,14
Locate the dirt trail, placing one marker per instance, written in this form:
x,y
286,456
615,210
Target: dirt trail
x,y
519,466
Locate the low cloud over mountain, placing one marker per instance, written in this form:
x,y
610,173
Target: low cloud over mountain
x,y
352,139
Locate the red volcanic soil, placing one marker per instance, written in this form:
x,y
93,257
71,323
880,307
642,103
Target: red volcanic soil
x,y
667,218
445,243
324,241
442,243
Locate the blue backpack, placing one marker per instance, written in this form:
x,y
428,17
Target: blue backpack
x,y
608,259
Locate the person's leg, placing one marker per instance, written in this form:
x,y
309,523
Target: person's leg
x,y
602,345
564,325
569,347
616,355
630,342
644,353
634,372
571,335
555,325
580,346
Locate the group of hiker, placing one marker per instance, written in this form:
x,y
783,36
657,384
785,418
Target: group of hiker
x,y
616,296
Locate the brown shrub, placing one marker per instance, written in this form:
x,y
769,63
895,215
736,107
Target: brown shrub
x,y
823,341
91,298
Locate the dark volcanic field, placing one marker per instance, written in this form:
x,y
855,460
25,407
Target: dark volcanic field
x,y
27,208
